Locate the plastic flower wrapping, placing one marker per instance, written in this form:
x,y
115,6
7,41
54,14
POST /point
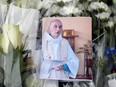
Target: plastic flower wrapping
x,y
21,34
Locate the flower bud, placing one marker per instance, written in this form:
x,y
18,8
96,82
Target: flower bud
x,y
11,33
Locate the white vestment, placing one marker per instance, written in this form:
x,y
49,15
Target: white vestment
x,y
57,52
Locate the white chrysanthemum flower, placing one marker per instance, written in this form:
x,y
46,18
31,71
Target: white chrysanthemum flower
x,y
92,6
102,5
67,10
103,15
97,6
110,24
80,6
77,11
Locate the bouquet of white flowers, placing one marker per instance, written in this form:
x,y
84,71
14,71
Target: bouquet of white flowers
x,y
11,48
32,11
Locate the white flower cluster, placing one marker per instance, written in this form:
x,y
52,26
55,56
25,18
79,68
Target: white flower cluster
x,y
103,15
48,3
68,10
103,11
53,7
110,24
98,6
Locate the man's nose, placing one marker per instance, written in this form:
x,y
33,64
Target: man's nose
x,y
57,28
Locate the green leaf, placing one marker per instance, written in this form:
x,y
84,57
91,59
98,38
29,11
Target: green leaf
x,y
1,66
16,53
1,63
21,63
21,55
1,49
15,75
8,66
12,68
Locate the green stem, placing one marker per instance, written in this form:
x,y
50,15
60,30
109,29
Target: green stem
x,y
110,40
98,30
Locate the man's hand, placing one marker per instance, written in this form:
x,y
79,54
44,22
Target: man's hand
x,y
58,68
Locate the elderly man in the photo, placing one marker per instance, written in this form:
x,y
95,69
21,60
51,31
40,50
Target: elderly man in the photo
x,y
58,58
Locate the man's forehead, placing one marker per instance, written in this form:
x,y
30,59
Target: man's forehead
x,y
55,21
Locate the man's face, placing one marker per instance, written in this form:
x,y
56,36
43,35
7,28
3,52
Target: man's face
x,y
55,28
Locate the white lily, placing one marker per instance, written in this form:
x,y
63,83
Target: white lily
x,y
11,33
4,42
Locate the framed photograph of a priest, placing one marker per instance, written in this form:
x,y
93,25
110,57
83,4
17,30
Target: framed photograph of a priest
x,y
59,61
